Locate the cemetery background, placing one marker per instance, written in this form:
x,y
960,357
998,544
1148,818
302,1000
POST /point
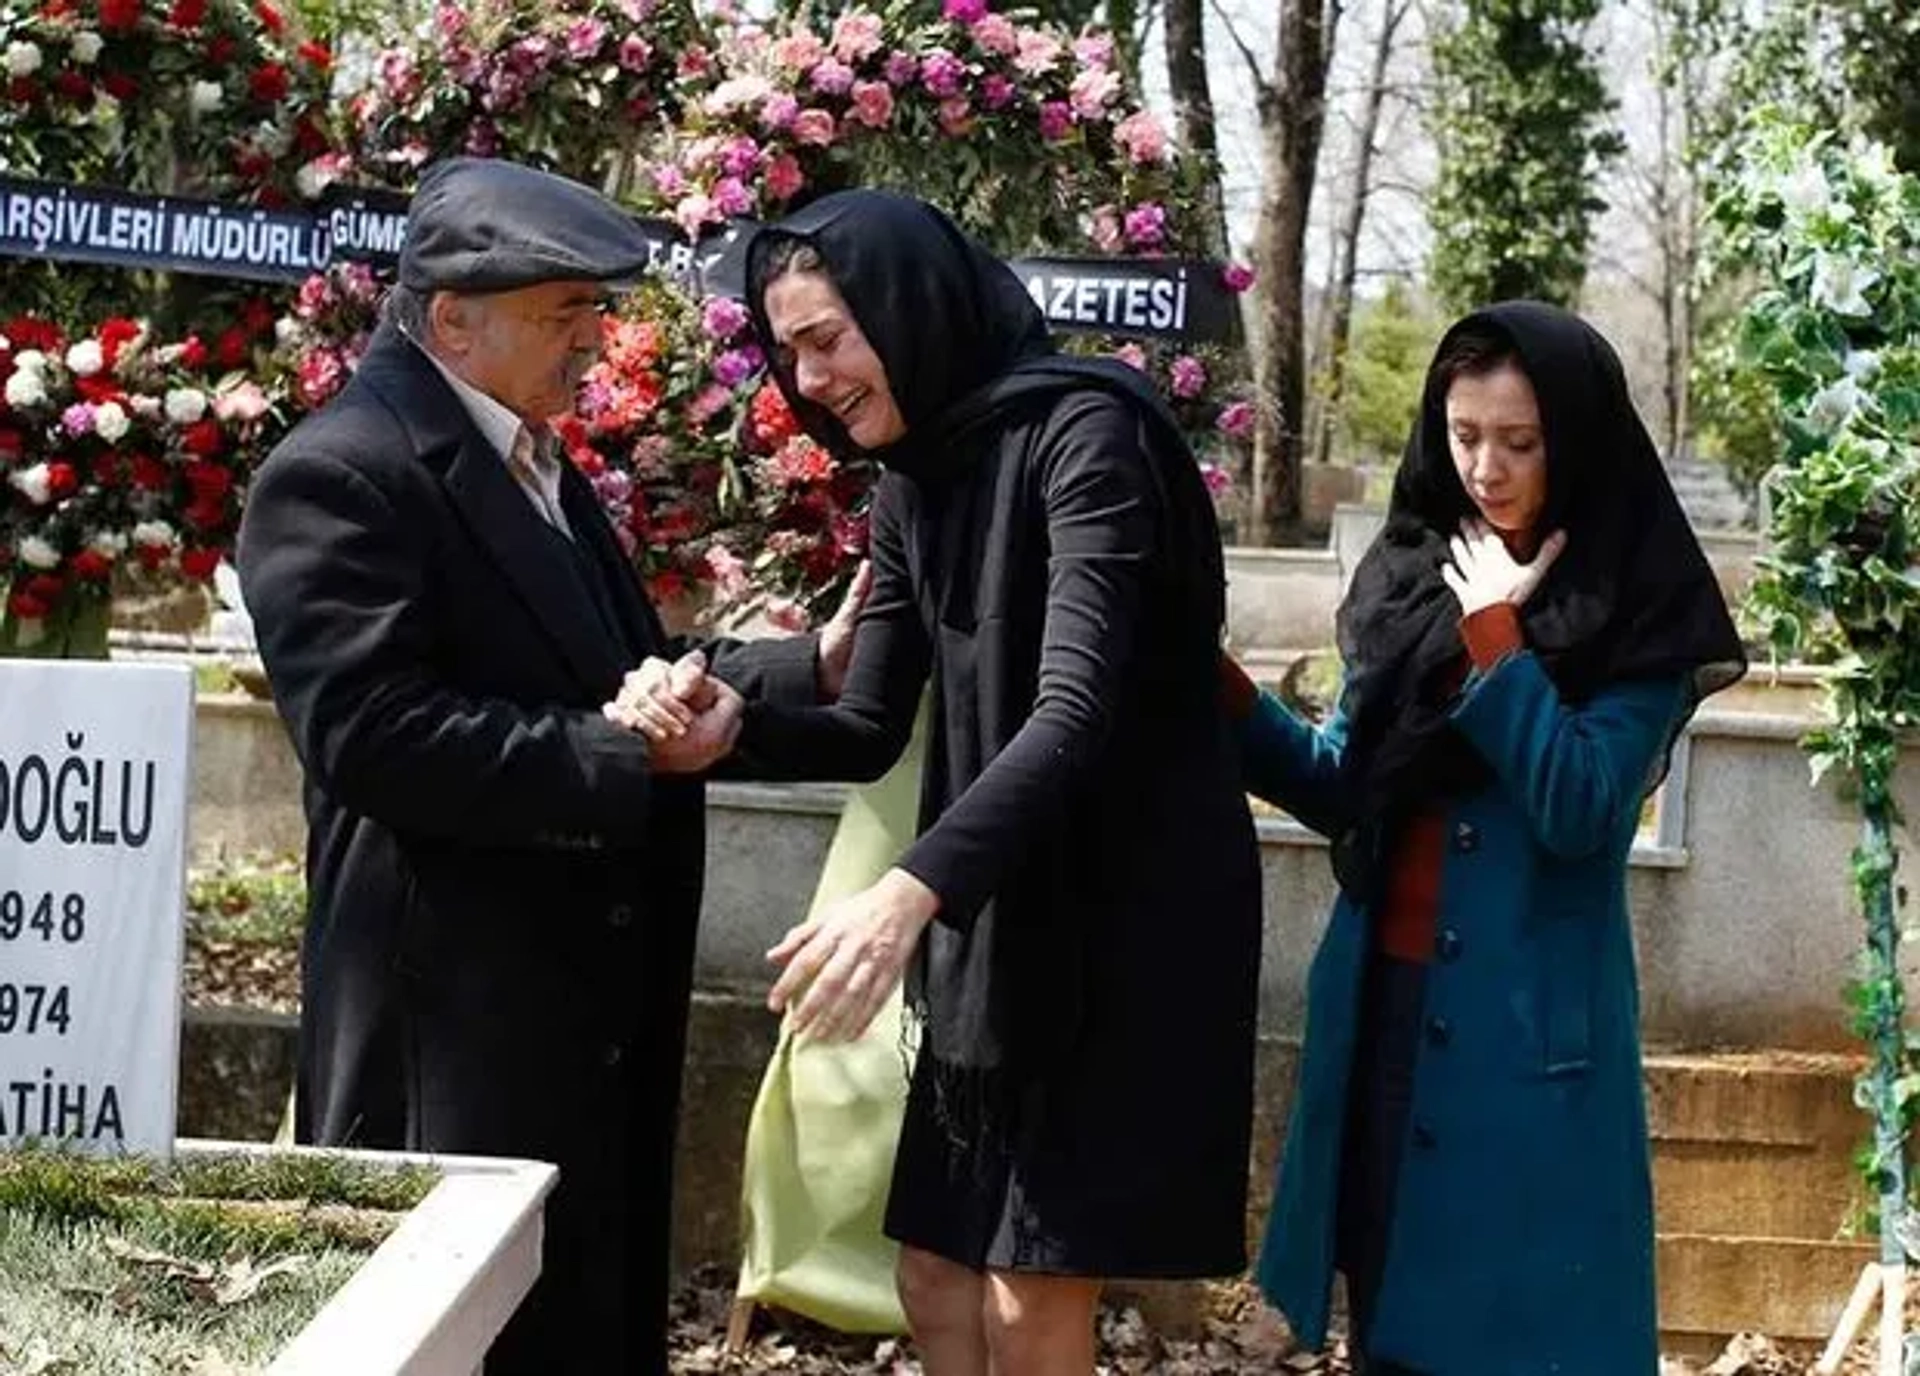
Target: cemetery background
x,y
137,403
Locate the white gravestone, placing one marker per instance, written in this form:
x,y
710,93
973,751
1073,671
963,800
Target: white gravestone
x,y
94,766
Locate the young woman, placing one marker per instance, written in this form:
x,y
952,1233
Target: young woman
x,y
1081,908
1522,645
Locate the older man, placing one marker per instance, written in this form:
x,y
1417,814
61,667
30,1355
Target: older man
x,y
504,884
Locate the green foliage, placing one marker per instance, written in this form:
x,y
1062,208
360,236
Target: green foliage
x,y
1393,338
263,901
1520,127
1832,233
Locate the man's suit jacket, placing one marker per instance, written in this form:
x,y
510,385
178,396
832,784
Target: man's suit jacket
x,y
503,894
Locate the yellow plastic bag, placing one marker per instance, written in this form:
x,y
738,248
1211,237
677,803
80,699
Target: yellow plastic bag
x,y
819,1153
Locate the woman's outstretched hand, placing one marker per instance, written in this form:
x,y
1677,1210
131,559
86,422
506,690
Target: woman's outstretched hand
x,y
1483,572
838,969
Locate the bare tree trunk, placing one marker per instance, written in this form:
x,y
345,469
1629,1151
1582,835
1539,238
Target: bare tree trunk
x,y
1292,110
1192,94
1346,249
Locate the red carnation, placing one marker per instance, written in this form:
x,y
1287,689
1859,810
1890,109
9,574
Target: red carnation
x,y
99,389
231,350
119,14
204,515
193,354
25,332
46,586
199,563
74,87
209,481
62,481
91,565
316,55
220,49
256,313
269,83
106,469
307,136
270,17
12,445
203,438
149,474
115,335
21,90
150,556
119,85
24,606
187,14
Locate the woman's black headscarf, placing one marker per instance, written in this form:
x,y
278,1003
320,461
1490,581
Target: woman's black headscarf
x,y
1631,596
964,346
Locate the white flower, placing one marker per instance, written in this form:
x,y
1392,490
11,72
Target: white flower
x,y
157,534
1804,191
26,388
737,92
86,358
145,407
205,96
110,422
1840,284
30,359
1863,364
23,58
36,553
287,331
86,47
33,483
110,544
185,405
1832,405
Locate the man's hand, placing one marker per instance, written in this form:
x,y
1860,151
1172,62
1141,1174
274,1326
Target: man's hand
x,y
836,637
691,718
1482,573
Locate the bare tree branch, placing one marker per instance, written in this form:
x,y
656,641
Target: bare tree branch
x,y
1254,69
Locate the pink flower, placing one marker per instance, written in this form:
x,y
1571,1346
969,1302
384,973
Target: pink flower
x,y
857,36
729,571
1237,277
1132,355
398,75
731,198
779,112
694,62
708,403
635,53
695,211
964,11
1143,138
1236,420
315,297
240,405
799,51
483,138
723,318
741,157
1188,377
813,127
872,104
585,38
784,177
1037,52
669,181
1147,225
1056,121
956,117
1092,91
1106,231
784,614
1094,50
636,10
319,376
831,77
995,33
941,73
997,93
1217,479
359,284
452,20
901,68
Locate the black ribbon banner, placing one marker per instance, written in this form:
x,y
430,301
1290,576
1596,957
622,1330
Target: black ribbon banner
x,y
1142,297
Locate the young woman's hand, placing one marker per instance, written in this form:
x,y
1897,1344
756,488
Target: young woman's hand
x,y
1482,572
839,968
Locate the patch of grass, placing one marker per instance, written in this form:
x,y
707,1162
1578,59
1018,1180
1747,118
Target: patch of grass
x,y
214,676
263,900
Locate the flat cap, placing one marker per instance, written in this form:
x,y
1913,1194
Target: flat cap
x,y
481,224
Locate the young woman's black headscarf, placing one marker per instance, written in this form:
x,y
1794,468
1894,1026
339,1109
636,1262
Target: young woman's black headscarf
x,y
965,346
1631,596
